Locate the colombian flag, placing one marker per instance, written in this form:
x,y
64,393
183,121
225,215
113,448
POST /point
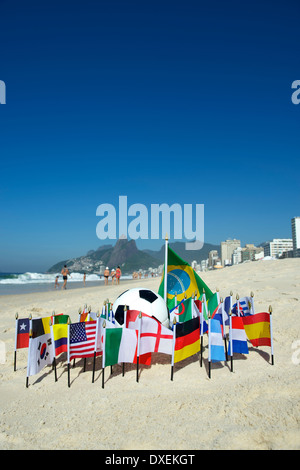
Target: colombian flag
x,y
182,280
187,342
60,334
257,328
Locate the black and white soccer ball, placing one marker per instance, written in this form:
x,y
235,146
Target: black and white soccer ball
x,y
144,300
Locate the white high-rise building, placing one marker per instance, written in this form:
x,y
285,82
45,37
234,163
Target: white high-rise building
x,y
277,247
296,236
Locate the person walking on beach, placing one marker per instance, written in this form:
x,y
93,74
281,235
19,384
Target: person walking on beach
x,y
113,275
84,278
56,282
65,273
106,275
118,274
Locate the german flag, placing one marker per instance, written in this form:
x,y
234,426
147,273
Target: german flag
x,y
257,328
187,341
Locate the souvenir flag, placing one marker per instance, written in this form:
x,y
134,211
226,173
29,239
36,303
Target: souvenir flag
x,y
60,338
99,332
60,319
228,304
173,310
237,337
245,307
221,315
212,303
154,337
187,339
82,338
83,316
185,311
40,354
120,346
257,328
203,315
40,326
181,279
22,333
215,342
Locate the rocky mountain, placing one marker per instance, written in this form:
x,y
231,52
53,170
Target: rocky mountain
x,y
126,255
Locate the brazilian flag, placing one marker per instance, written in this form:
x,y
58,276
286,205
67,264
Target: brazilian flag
x,y
182,280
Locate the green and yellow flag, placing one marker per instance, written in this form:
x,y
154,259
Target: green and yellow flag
x,y
182,280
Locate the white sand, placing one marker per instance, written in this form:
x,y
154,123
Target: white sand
x,y
255,407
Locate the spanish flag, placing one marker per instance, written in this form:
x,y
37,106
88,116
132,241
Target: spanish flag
x,y
182,280
257,328
187,339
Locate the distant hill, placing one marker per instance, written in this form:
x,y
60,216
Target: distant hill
x,y
124,254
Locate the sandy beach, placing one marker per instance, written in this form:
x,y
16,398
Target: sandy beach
x,y
255,407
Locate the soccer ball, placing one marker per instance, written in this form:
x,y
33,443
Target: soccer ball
x,y
144,300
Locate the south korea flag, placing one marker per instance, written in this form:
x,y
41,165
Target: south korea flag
x,y
40,354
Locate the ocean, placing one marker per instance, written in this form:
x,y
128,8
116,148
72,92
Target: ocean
x,y
26,283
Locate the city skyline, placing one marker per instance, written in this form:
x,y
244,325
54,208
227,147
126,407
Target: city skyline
x,y
162,102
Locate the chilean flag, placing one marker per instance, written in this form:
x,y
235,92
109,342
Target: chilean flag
x,y
237,337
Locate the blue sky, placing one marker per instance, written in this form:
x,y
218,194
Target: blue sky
x,y
162,101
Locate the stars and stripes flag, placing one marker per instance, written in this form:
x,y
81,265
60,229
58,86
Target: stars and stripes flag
x,y
82,338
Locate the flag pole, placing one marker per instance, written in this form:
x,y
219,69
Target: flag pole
x,y
252,303
237,305
28,362
230,341
53,348
271,334
166,270
201,332
209,346
223,323
124,326
173,350
138,347
16,336
103,352
69,384
96,341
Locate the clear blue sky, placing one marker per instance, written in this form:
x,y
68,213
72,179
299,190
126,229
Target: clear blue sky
x,y
162,101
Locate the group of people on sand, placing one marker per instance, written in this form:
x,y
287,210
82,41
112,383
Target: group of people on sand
x,y
114,273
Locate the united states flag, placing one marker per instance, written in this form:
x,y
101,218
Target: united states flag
x,y
82,339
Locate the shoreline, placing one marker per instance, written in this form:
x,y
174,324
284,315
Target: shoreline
x,y
36,287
